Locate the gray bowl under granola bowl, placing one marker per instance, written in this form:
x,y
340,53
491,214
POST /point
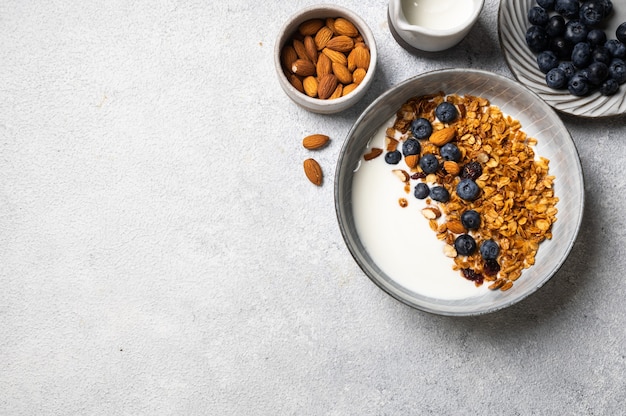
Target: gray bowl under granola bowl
x,y
410,282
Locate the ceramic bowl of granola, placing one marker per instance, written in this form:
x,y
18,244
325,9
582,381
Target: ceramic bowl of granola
x,y
325,58
459,192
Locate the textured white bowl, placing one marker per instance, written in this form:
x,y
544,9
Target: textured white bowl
x,y
317,105
538,120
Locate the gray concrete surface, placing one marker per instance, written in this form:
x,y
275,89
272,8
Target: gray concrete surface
x,y
163,254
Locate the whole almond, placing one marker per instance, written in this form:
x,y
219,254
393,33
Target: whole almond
x,y
341,43
322,37
324,65
303,67
337,93
296,82
310,86
359,75
335,56
298,45
412,161
343,74
310,27
326,86
315,141
330,22
347,89
313,171
288,56
310,48
345,27
443,136
451,167
361,57
455,226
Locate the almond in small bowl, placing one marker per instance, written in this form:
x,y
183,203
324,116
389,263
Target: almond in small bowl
x,y
325,58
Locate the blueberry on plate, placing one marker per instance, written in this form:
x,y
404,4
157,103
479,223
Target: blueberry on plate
x,y
561,47
411,147
617,70
429,163
547,60
489,250
578,85
568,69
609,87
567,8
467,189
465,245
601,54
421,128
439,193
591,13
546,4
450,151
393,158
538,16
446,112
470,219
537,39
421,191
596,37
555,26
575,31
620,33
597,72
581,55
555,78
616,48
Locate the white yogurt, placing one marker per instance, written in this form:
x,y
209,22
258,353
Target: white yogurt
x,y
399,240
437,14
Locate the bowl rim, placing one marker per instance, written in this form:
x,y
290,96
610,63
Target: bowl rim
x,y
441,33
327,10
339,211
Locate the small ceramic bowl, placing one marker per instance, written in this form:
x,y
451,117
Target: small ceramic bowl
x,y
434,25
286,36
537,119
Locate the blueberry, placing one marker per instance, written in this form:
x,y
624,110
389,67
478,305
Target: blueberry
x,y
446,112
450,151
609,87
567,8
470,219
607,5
537,39
616,48
547,60
561,47
429,163
568,69
597,72
411,147
489,250
393,158
596,37
467,189
555,26
601,54
617,70
546,4
575,31
620,33
578,85
472,170
591,13
421,191
465,245
439,193
555,78
581,55
538,16
421,128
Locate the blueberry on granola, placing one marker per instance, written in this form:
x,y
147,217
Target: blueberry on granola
x,y
489,249
429,163
421,128
446,112
465,245
440,194
411,147
450,151
470,219
467,189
